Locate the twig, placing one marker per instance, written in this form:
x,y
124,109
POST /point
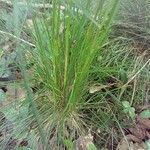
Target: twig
x,y
22,40
136,73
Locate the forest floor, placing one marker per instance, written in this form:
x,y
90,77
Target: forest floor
x,y
125,65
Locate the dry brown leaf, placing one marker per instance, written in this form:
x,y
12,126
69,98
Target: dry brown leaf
x,y
133,138
137,146
123,145
145,123
97,88
138,133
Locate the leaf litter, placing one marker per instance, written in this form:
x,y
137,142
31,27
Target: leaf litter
x,y
137,136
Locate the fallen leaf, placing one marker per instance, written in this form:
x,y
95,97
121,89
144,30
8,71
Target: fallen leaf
x,y
138,133
124,145
145,123
133,138
137,146
96,88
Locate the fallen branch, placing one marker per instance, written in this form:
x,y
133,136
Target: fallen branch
x,y
22,40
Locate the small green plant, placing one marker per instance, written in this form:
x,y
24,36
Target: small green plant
x,y
145,113
128,109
